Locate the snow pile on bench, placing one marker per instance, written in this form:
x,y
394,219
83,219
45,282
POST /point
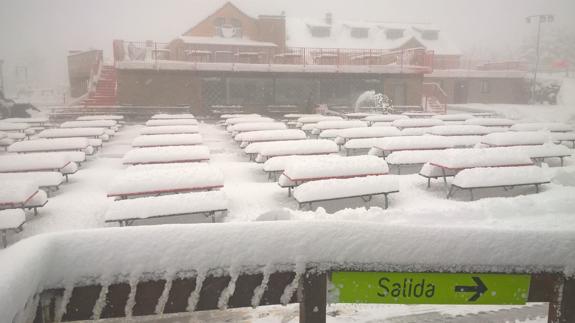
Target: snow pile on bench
x,y
255,126
90,124
233,121
169,130
481,157
306,170
167,205
32,162
415,131
363,133
500,176
459,130
553,127
58,144
11,219
343,188
515,139
298,147
544,151
166,180
413,143
317,118
269,135
431,171
171,122
168,154
40,179
101,117
9,126
71,132
343,124
16,191
279,163
412,157
385,118
490,122
167,140
173,116
416,123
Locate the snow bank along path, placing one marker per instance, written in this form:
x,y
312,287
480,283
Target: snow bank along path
x,y
58,260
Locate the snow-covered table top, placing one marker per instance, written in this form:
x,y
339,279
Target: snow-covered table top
x,y
317,118
158,206
459,130
413,143
89,124
32,162
35,120
494,176
490,122
416,123
233,121
168,154
279,163
239,115
16,192
544,151
11,126
71,132
315,169
173,116
166,130
503,139
167,140
343,124
371,132
553,127
300,147
58,144
412,157
166,180
255,126
101,117
171,122
480,157
341,188
11,219
385,118
453,117
40,179
270,135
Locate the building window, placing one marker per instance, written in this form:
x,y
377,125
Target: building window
x,y
359,32
430,34
320,31
394,33
485,86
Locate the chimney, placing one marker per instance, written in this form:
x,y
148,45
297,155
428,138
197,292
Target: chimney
x,y
328,18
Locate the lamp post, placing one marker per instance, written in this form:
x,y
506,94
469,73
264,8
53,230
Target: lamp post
x,y
539,19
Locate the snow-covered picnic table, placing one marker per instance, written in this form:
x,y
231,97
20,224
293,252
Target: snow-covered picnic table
x,y
385,146
118,118
361,133
126,212
36,121
298,172
560,137
171,122
419,115
246,138
169,130
21,194
233,121
239,115
173,116
52,145
539,153
11,220
459,130
337,189
98,133
399,159
13,126
295,116
416,123
39,162
315,119
490,122
343,124
167,140
297,147
255,126
46,180
110,124
506,139
384,118
454,117
276,165
140,182
549,126
166,155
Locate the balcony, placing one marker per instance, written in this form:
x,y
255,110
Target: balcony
x,y
254,57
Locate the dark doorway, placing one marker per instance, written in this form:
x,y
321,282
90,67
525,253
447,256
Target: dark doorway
x,y
460,92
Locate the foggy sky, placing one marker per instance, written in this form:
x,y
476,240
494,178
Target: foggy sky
x,y
38,33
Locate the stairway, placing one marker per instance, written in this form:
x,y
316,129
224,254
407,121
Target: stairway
x,y
434,99
104,93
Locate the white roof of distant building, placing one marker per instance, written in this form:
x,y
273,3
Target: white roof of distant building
x,y
298,34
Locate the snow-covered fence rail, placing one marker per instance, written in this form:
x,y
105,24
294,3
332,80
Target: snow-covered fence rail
x,y
72,275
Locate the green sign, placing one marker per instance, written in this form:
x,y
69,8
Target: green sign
x,y
429,288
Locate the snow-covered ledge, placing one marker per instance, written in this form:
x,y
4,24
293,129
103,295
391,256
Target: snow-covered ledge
x,y
66,259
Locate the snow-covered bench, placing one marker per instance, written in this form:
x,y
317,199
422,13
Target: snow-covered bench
x,y
343,124
253,149
338,189
39,162
255,126
363,133
508,139
52,145
315,119
173,116
385,146
166,155
507,178
95,133
298,147
459,130
233,121
13,126
560,137
169,130
299,172
11,220
419,115
109,124
490,122
239,115
21,194
171,122
36,121
140,182
384,118
125,212
549,126
408,158
118,118
246,138
276,165
47,181
167,140
456,117
538,153
416,123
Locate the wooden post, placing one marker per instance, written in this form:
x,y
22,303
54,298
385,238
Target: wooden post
x,y
313,302
562,307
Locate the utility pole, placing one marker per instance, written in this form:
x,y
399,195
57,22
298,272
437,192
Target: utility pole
x,y
540,19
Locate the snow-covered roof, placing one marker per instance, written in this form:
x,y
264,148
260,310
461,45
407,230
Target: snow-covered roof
x,y
224,41
299,34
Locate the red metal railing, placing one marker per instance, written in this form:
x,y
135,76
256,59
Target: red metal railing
x,y
220,53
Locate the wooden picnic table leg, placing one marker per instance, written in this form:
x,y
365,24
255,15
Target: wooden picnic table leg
x,y
213,216
471,194
428,182
451,192
398,169
562,161
4,239
386,200
536,188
